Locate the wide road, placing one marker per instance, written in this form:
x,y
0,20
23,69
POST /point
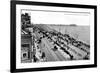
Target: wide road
x,y
51,55
48,53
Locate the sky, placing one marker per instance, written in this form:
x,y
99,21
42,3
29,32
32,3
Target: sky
x,y
55,17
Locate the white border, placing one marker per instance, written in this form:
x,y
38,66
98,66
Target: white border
x,y
20,65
